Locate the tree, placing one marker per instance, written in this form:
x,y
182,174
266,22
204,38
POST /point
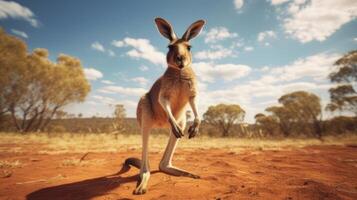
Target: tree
x,y
12,57
268,124
224,117
300,111
60,114
283,117
34,88
343,96
119,117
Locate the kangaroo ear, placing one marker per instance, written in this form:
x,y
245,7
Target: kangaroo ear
x,y
165,29
193,30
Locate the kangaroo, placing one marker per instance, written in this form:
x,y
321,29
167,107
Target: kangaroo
x,y
165,105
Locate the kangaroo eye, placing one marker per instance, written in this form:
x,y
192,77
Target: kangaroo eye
x,y
189,48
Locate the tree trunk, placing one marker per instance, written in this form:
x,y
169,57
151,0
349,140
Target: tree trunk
x,y
48,120
39,122
14,119
225,132
317,129
29,125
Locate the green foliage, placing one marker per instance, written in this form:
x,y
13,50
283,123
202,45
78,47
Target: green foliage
x,y
341,125
33,88
300,111
224,117
267,125
343,96
119,116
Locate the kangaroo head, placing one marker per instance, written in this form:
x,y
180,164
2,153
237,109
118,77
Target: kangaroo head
x,y
179,54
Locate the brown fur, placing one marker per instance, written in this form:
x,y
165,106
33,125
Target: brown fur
x,y
166,102
176,85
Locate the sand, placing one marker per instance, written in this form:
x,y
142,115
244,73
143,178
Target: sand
x,y
315,172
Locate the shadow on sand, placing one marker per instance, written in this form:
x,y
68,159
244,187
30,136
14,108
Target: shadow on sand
x,y
85,189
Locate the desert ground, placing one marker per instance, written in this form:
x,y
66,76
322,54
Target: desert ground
x,y
66,166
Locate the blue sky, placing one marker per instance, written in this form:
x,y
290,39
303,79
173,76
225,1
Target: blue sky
x,y
250,51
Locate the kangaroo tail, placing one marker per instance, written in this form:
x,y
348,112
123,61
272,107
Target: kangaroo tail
x,y
128,163
133,162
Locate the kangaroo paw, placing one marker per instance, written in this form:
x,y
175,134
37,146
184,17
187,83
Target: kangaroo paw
x,y
193,130
176,129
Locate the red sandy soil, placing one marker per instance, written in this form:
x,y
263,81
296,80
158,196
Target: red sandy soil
x,y
316,172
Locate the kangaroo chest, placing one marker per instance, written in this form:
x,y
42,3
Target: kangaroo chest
x,y
178,87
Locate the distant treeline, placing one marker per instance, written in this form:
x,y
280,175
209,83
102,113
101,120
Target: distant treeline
x,y
335,126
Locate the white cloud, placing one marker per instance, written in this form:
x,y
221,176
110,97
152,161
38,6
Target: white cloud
x,y
110,101
141,48
217,34
129,105
144,68
265,69
254,98
355,39
111,53
317,20
295,86
265,35
122,90
92,74
309,74
214,54
238,44
248,48
142,81
98,46
316,66
208,72
101,106
105,100
19,33
118,43
278,2
11,9
108,82
238,4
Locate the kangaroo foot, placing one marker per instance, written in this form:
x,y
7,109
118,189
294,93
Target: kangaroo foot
x,y
141,187
177,172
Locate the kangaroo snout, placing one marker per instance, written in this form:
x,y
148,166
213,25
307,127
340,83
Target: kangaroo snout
x,y
180,61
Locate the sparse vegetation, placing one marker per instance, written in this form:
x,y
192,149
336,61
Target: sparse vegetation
x,y
224,117
83,143
10,164
71,162
33,88
344,96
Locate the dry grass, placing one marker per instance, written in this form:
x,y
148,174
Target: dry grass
x,y
44,143
77,162
10,164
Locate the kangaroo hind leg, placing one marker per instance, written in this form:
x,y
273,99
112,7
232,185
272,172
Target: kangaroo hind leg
x,y
166,161
145,120
141,186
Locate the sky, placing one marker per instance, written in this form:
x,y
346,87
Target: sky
x,y
250,52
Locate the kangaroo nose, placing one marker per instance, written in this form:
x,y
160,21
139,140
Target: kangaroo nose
x,y
179,58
